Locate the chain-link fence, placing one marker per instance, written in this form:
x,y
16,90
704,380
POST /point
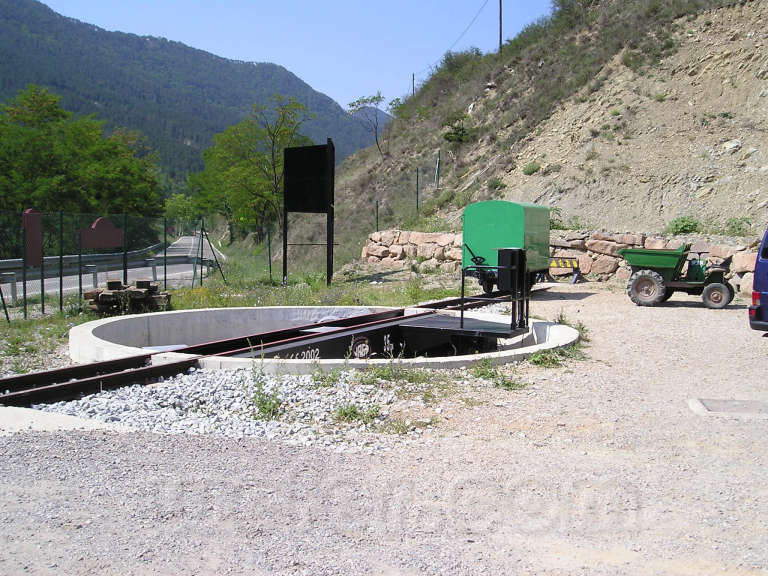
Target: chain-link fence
x,y
48,261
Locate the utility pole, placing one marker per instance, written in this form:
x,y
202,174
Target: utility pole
x,y
500,44
413,84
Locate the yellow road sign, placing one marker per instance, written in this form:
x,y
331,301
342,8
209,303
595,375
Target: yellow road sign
x,y
563,262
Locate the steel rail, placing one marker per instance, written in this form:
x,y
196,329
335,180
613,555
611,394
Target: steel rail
x,y
74,381
314,336
455,303
57,375
68,390
240,343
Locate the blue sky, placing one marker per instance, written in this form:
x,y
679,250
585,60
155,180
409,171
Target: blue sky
x,y
344,48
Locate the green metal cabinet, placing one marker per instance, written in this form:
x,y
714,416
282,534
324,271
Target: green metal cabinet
x,y
487,226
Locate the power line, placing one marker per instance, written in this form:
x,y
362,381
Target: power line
x,y
469,25
474,19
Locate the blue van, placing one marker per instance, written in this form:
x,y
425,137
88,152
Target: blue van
x,y
758,312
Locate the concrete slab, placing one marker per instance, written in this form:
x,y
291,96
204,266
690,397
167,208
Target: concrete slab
x,y
13,419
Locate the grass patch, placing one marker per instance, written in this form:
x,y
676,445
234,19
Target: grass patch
x,y
393,372
395,426
531,168
485,370
353,413
555,357
409,383
267,405
683,225
25,344
325,379
550,358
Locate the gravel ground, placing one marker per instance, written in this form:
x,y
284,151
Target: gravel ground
x,y
596,467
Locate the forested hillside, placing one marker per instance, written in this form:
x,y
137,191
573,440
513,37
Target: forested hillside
x,y
177,96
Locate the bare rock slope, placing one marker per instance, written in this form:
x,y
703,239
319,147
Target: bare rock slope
x,y
688,138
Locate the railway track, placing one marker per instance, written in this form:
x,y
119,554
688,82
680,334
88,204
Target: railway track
x,y
381,334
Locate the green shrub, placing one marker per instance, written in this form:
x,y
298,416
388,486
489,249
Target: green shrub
x,y
531,168
325,379
268,406
457,132
683,225
738,226
495,184
353,413
549,358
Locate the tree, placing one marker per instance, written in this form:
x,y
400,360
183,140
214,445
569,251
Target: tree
x,y
52,161
243,175
367,112
180,207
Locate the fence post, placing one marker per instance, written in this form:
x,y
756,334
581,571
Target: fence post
x,y
377,215
194,266
61,261
165,253
417,191
5,308
202,246
42,272
125,249
24,268
269,253
79,271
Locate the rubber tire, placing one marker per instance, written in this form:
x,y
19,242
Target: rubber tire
x,y
668,294
716,296
487,284
646,288
731,291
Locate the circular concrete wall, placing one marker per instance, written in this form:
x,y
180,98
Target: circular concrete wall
x,y
121,336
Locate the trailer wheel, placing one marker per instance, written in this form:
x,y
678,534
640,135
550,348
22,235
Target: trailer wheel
x,y
646,288
716,295
487,284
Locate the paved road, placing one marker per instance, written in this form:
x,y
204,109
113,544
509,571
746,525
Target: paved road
x,y
177,274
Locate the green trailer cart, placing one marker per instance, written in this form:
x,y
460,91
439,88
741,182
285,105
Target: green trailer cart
x,y
489,226
657,274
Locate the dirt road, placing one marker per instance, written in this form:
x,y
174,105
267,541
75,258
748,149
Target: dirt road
x,y
596,467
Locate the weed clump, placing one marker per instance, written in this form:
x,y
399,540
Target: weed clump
x,y
485,370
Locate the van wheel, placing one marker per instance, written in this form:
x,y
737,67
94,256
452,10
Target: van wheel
x,y
716,295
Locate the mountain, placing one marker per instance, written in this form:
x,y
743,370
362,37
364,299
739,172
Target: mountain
x,y
177,96
622,115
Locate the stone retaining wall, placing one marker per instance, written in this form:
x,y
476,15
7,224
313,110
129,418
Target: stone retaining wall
x,y
597,252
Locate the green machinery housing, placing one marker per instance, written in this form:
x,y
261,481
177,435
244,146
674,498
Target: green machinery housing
x,y
488,226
